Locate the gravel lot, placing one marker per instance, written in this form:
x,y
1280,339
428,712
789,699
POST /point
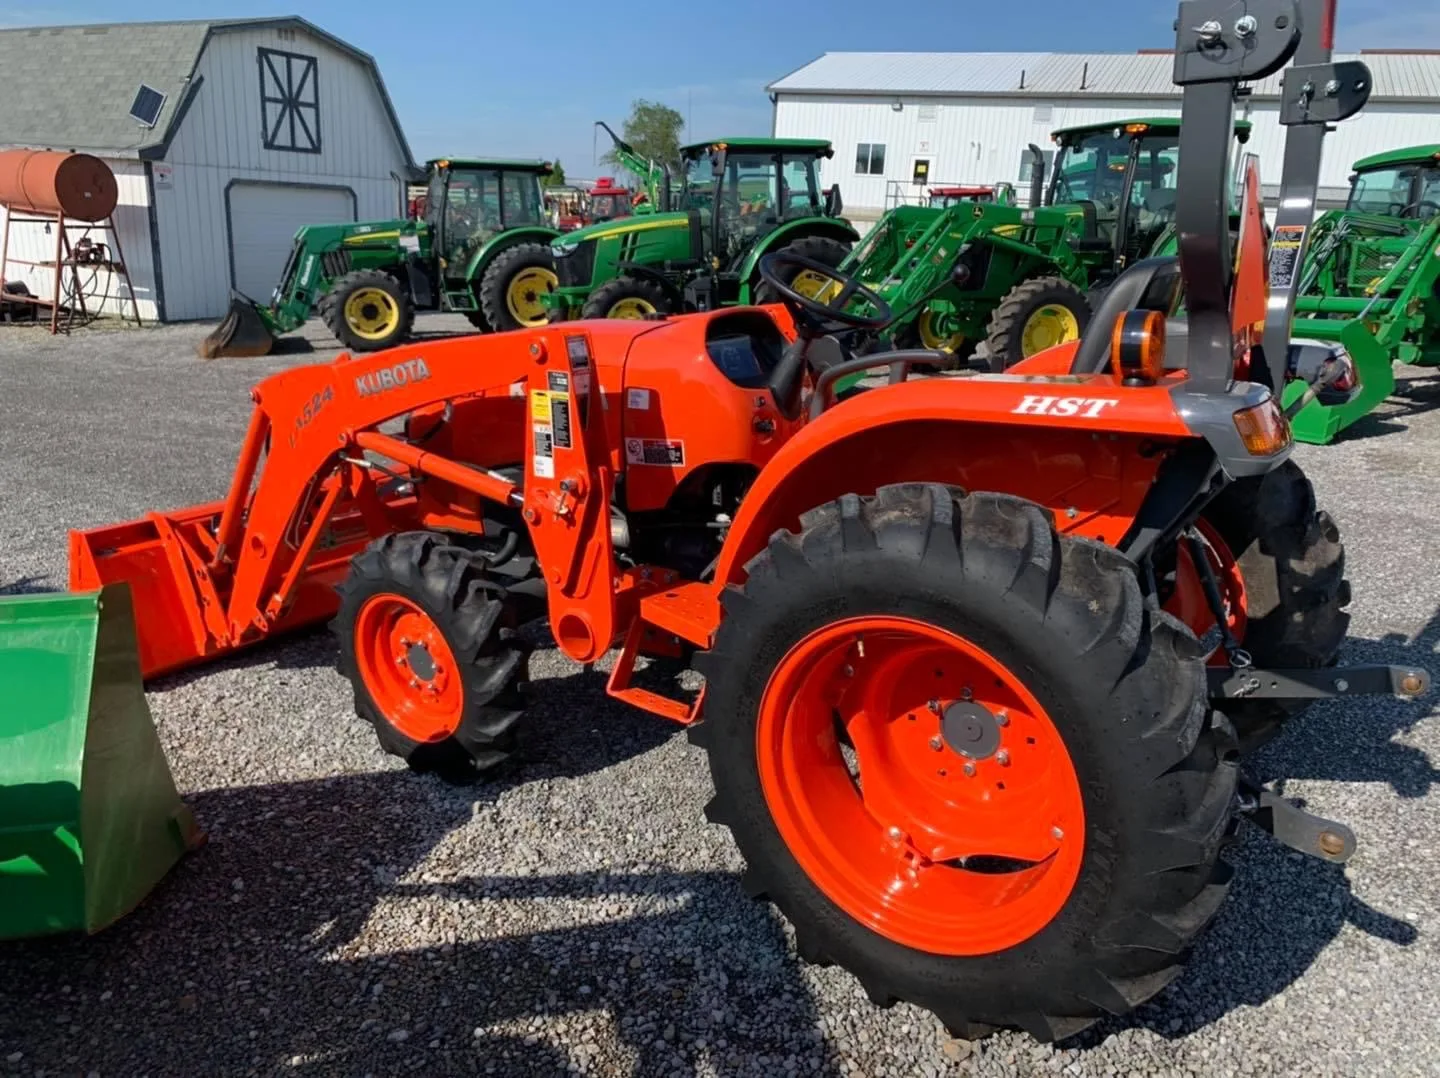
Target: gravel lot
x,y
349,918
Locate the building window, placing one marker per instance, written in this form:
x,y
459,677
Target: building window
x,y
870,159
289,101
1027,160
928,114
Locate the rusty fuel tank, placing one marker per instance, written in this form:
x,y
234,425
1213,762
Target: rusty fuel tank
x,y
48,181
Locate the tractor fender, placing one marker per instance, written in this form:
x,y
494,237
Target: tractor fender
x,y
481,259
1077,445
830,227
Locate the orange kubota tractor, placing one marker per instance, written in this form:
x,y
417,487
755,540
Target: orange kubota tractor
x,y
979,651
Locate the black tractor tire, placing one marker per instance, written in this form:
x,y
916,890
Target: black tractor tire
x,y
603,300
823,249
478,624
495,283
1292,563
1005,331
332,310
1123,685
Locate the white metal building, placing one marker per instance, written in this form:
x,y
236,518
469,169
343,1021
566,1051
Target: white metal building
x,y
968,117
224,137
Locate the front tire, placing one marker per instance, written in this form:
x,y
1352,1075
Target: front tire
x,y
511,287
1105,704
627,297
1035,315
429,643
368,310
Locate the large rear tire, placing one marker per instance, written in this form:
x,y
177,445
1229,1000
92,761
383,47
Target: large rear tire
x,y
368,310
511,287
430,645
1116,786
1292,565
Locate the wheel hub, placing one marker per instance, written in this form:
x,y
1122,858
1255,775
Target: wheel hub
x,y
419,659
970,730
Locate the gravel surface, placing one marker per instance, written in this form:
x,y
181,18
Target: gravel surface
x,y
349,918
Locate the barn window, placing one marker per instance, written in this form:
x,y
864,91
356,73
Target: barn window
x,y
870,159
289,101
928,114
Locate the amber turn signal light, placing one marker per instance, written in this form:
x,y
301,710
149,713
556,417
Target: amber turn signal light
x,y
1263,429
1137,347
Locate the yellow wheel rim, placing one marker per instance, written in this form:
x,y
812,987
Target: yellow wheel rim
x,y
1050,325
630,307
815,285
372,313
523,295
931,335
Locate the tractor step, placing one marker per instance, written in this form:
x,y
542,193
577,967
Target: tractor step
x,y
683,614
1251,682
1291,825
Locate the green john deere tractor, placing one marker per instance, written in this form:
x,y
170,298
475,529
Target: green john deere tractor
x,y
739,199
481,249
1371,282
1024,279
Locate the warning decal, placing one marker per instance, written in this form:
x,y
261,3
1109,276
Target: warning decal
x,y
539,406
655,451
559,381
544,457
560,418
1285,254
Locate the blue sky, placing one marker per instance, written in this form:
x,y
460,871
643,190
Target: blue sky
x,y
528,79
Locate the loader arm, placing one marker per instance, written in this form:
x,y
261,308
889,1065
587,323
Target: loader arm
x,y
305,498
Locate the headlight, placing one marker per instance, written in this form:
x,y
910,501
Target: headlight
x,y
560,250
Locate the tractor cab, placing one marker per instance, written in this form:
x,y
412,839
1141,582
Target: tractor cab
x,y
744,189
1121,178
608,201
1002,194
469,202
1398,183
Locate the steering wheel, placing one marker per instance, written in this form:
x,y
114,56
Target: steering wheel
x,y
771,269
1424,203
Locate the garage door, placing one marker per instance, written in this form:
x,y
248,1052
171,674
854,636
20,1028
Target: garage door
x,y
263,220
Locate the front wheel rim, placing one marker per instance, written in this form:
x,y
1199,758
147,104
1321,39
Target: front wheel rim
x,y
372,313
946,851
932,328
630,307
408,669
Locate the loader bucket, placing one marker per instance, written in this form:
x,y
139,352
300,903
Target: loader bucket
x,y
242,332
90,820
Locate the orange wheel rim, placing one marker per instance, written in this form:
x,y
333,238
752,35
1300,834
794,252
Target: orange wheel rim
x,y
1188,602
408,668
936,827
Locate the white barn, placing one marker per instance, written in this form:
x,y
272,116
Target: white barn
x,y
244,131
969,117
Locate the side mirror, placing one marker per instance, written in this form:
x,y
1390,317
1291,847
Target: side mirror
x,y
833,202
717,165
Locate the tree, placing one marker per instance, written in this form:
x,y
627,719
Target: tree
x,y
653,130
557,175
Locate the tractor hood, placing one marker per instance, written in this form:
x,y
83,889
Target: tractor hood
x,y
649,222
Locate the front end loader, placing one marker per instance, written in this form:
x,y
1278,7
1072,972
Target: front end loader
x,y
983,653
481,249
90,820
1369,280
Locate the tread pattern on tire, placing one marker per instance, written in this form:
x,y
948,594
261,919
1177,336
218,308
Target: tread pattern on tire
x,y
495,281
331,308
1002,333
1157,767
1293,564
478,622
599,302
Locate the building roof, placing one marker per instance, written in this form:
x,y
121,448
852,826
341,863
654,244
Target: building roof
x,y
1403,76
71,87
1410,155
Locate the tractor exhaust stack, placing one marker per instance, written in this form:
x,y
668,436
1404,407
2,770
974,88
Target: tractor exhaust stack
x,y
242,332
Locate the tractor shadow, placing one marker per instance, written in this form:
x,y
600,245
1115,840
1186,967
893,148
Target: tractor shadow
x,y
29,585
325,929
1284,909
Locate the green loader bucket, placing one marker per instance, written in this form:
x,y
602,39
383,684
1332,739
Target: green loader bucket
x,y
1319,424
90,820
242,332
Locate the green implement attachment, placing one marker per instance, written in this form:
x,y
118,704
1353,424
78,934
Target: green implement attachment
x,y
90,820
243,332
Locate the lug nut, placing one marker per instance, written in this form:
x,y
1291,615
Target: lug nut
x,y
969,769
1002,717
936,743
934,706
895,834
966,694
1002,758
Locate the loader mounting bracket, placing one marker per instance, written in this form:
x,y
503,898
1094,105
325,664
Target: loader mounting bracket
x,y
1405,682
1291,825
